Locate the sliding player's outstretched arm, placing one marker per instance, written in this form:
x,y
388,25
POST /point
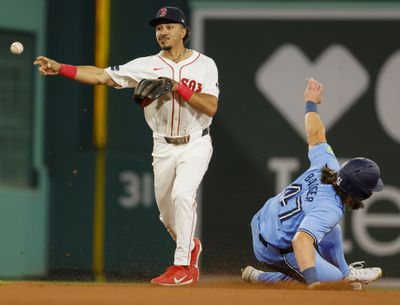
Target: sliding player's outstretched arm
x,y
315,129
303,243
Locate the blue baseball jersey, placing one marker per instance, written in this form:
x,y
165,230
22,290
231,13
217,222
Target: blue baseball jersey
x,y
305,205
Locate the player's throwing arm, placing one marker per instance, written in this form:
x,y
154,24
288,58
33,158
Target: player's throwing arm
x,y
90,75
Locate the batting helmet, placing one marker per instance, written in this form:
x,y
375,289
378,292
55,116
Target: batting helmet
x,y
359,177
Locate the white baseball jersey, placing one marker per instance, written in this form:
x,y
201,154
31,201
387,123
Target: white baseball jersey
x,y
178,169
170,115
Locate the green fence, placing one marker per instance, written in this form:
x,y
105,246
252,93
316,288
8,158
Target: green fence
x,y
23,175
265,55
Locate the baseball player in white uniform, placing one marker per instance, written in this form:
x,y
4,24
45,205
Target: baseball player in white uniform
x,y
180,120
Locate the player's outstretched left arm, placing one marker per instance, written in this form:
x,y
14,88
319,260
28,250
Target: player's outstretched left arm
x,y
303,243
315,129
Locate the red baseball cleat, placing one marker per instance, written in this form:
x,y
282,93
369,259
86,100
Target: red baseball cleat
x,y
194,259
176,276
194,256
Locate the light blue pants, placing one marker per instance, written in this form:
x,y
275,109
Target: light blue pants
x,y
330,263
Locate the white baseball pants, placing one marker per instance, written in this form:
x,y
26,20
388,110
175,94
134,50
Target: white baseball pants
x,y
178,171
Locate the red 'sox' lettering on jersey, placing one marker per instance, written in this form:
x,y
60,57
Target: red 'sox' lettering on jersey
x,y
192,85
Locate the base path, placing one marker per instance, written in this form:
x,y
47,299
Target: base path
x,y
209,291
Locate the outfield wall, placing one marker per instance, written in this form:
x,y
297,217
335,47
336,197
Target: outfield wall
x,y
264,51
24,179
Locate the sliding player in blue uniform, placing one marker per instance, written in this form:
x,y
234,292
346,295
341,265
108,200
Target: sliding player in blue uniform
x,y
297,232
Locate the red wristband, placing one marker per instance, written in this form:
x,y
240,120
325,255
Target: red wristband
x,y
184,91
68,71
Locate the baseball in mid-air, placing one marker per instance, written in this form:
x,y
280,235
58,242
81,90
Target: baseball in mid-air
x,y
17,48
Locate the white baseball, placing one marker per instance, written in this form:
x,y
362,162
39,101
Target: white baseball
x,y
17,47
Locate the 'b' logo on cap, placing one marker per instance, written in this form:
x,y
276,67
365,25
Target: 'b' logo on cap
x,y
163,12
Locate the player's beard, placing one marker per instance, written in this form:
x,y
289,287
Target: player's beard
x,y
165,45
166,48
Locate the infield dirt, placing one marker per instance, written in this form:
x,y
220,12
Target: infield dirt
x,y
209,291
